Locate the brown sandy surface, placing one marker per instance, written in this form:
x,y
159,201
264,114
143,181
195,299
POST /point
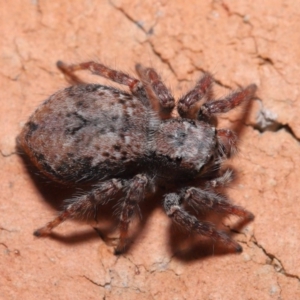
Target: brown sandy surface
x,y
239,43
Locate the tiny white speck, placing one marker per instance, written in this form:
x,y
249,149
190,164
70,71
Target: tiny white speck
x,y
127,139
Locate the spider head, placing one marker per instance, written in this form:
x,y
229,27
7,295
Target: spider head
x,y
190,143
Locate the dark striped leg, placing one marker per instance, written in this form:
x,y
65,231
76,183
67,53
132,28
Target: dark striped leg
x,y
134,84
202,200
208,200
173,208
189,105
211,108
135,194
158,94
84,206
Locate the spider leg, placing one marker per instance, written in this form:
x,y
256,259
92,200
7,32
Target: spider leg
x,y
134,84
223,180
69,73
189,105
208,200
211,108
158,94
84,205
172,206
227,141
135,194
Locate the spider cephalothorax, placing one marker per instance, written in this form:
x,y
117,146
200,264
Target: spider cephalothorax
x,y
129,143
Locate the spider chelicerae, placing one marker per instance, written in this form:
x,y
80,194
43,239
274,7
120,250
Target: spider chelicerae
x,y
127,145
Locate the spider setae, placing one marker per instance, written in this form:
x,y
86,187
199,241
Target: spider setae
x,y
129,145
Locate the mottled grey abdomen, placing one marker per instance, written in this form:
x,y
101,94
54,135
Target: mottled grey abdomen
x,y
87,132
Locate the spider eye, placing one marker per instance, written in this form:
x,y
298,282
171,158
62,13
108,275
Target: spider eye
x,y
178,159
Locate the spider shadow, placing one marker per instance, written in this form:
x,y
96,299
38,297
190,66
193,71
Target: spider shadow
x,y
103,225
185,247
188,246
54,194
239,124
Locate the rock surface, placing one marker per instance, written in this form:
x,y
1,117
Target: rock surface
x,y
239,43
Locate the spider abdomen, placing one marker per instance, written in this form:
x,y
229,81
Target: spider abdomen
x,y
87,132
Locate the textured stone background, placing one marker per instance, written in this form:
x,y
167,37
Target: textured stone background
x,y
239,43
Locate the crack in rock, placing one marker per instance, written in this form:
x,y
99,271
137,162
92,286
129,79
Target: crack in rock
x,y
7,155
266,120
106,285
275,262
139,24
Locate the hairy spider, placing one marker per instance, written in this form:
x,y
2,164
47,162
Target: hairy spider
x,y
129,145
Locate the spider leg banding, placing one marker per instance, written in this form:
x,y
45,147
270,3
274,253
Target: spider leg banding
x,y
160,97
189,104
84,205
191,223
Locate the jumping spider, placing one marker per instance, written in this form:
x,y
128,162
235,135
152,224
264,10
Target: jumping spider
x,y
129,145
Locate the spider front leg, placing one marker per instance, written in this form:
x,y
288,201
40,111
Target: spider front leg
x,y
159,96
211,108
134,84
189,104
84,205
135,194
173,208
